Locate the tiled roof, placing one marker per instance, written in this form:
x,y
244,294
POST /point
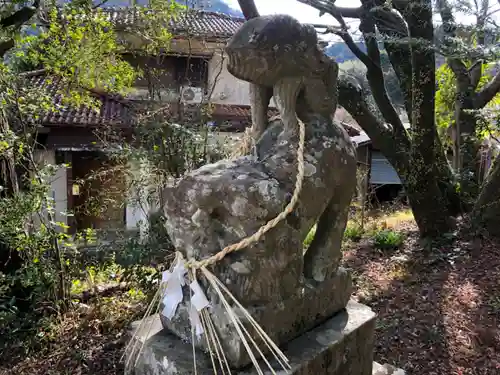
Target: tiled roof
x,y
242,112
191,22
345,118
112,110
237,111
116,112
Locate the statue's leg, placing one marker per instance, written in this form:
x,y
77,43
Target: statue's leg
x,y
321,91
286,91
323,255
259,99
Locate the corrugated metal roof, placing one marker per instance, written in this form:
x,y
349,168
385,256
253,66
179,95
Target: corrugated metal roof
x,y
382,172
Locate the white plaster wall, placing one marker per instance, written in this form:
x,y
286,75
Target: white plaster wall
x,y
228,89
58,185
138,207
136,212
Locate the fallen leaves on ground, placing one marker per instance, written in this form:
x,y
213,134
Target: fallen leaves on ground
x,y
438,310
88,340
438,314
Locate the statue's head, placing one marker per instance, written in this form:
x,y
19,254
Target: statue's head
x,y
268,48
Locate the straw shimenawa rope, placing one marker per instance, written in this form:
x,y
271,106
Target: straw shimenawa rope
x,y
254,238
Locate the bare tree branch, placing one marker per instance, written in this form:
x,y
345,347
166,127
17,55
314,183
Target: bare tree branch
x,y
100,4
467,79
325,6
365,59
488,92
449,27
375,75
475,73
248,8
353,100
371,60
390,24
6,46
21,16
328,7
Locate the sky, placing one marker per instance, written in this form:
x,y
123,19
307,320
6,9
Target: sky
x,y
307,14
304,13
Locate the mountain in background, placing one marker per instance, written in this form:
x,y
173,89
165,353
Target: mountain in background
x,y
341,52
220,7
209,5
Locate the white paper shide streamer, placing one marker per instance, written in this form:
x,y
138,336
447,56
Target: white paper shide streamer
x,y
198,302
173,296
174,281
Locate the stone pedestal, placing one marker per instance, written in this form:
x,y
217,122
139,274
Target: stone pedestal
x,y
343,345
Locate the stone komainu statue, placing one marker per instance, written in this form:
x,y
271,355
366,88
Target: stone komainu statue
x,y
286,291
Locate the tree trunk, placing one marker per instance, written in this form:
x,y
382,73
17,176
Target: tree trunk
x,y
428,209
447,181
486,212
426,198
468,147
394,28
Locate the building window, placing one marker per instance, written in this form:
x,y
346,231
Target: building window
x,y
191,71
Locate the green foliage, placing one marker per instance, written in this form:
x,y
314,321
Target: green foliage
x,y
152,30
81,47
388,239
171,149
85,51
446,96
353,232
310,236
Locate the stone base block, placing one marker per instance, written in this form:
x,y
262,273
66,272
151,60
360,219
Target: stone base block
x,y
343,345
283,321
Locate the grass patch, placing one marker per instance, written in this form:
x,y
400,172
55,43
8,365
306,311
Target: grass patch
x,y
388,239
391,219
398,271
382,226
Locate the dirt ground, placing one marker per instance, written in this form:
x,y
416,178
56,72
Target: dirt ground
x,y
438,314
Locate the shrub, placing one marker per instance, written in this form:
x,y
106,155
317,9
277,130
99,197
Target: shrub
x,y
387,239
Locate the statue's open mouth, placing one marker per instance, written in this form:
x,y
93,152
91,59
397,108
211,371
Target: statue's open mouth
x,y
238,65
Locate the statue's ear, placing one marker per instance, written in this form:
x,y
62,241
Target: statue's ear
x,y
322,45
333,68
